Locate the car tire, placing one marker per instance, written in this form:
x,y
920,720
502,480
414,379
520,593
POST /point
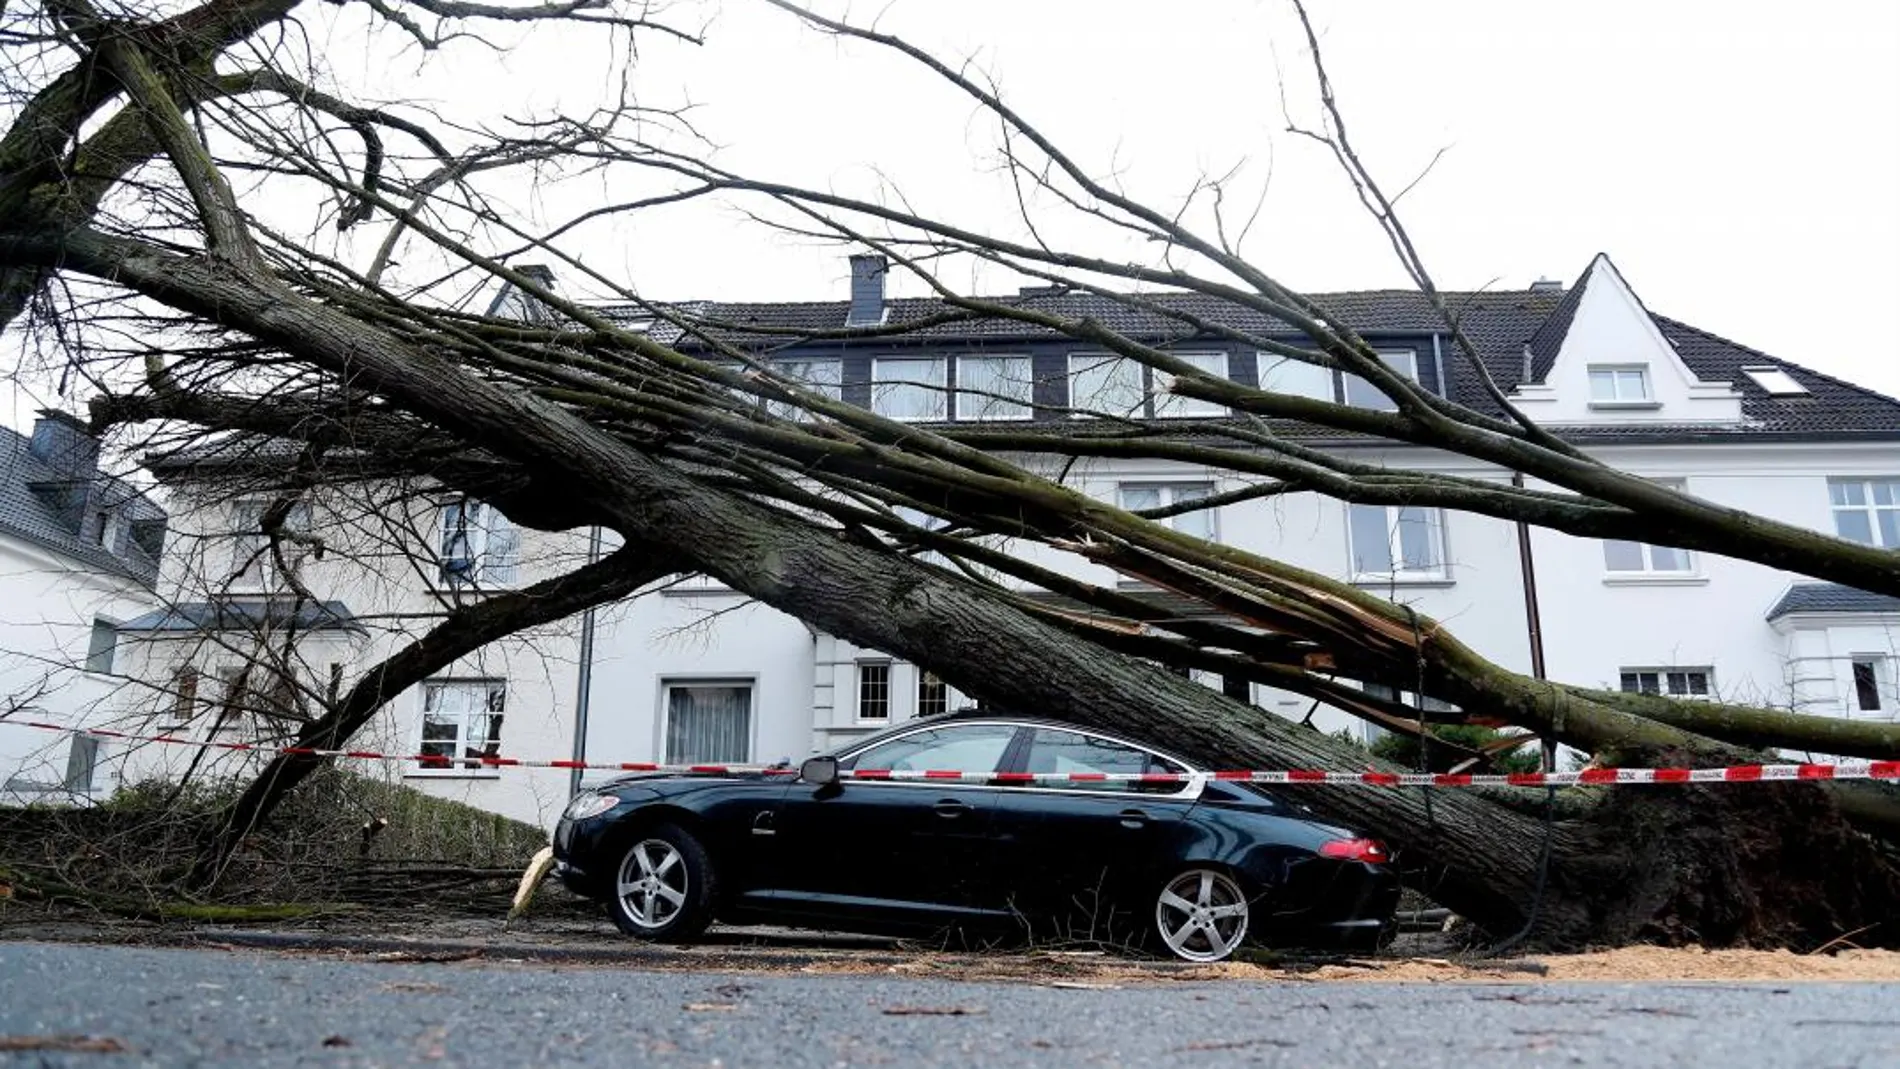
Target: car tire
x,y
1201,915
664,886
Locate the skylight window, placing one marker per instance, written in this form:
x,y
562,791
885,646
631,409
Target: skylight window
x,y
1776,381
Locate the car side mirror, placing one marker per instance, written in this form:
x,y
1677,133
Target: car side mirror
x,y
821,771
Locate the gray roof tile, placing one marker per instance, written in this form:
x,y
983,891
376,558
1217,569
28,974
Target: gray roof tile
x,y
1831,598
28,488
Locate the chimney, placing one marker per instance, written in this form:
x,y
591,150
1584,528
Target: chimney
x,y
867,290
1547,285
62,442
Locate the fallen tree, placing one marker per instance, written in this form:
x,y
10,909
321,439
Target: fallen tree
x,y
569,417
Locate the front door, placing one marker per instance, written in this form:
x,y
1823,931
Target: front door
x,y
907,852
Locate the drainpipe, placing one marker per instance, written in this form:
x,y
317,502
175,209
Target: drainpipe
x,y
584,686
1533,622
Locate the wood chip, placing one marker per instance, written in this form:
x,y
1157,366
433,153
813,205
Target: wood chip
x,y
80,1044
932,1011
1083,985
336,1041
711,1007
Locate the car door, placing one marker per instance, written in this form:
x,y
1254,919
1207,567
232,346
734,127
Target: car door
x,y
896,850
1085,846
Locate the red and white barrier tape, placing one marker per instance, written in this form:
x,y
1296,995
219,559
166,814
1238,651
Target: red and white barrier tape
x,y
1589,777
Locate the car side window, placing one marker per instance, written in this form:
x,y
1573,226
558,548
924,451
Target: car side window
x,y
1065,752
961,748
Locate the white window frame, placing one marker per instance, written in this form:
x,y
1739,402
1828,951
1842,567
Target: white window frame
x,y
1373,399
671,683
1135,392
493,689
1618,376
1867,507
1168,405
250,546
925,678
488,566
1296,378
860,679
1174,492
990,404
1664,682
1886,691
1650,554
1435,524
830,384
936,385
83,757
100,661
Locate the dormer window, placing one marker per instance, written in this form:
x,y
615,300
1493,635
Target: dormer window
x,y
1361,393
1617,386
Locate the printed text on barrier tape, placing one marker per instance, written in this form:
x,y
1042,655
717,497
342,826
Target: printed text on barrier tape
x,y
1589,777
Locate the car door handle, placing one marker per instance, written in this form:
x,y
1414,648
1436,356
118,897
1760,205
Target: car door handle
x,y
1134,818
950,807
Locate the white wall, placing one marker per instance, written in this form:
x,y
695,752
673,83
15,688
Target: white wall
x,y
47,608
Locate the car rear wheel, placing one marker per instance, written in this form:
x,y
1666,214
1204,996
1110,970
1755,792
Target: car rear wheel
x,y
1201,915
663,889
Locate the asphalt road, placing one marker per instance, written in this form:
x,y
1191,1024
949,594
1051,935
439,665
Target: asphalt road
x,y
247,1008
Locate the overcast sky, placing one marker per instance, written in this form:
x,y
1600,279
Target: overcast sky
x,y
1740,161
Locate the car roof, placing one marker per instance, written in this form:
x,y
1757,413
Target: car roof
x,y
971,713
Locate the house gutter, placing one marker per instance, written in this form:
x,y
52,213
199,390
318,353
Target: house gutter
x,y
584,684
1533,618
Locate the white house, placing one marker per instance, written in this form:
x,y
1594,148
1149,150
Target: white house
x,y
693,672
78,556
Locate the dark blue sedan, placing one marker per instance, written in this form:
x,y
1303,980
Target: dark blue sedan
x,y
1179,861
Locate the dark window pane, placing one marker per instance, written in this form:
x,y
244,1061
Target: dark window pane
x,y
963,748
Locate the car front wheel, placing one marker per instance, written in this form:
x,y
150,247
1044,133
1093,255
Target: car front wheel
x,y
1201,915
664,887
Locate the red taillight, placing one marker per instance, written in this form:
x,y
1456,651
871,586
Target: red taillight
x,y
1371,851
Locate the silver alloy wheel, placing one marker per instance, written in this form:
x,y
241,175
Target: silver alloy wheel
x,y
1202,915
653,883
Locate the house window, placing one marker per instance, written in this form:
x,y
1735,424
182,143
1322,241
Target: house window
x,y
1874,683
874,690
1140,497
1361,393
994,387
708,723
1867,510
82,764
1777,382
478,545
101,646
1389,542
1619,385
461,722
1104,385
184,695
1173,405
910,388
1672,682
106,531
1281,374
253,564
1622,557
823,377
933,694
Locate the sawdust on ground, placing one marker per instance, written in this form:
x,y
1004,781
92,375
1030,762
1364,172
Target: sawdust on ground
x,y
1639,964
